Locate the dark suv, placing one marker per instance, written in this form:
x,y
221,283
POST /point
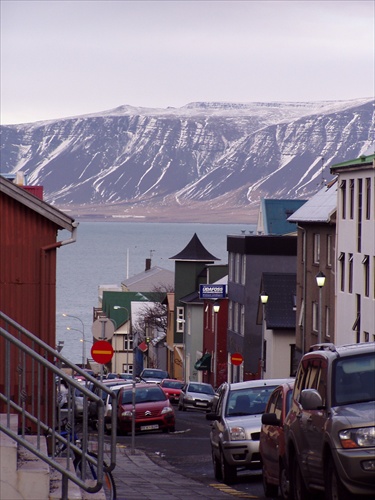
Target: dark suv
x,y
330,429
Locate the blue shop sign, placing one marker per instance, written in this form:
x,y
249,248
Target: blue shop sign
x,y
212,291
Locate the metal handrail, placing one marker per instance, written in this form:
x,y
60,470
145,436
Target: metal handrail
x,y
37,368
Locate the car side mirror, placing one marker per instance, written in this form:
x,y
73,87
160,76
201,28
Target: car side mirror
x,y
311,400
270,419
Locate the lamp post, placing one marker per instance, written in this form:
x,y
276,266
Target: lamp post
x,y
83,335
320,281
127,350
216,308
83,344
264,300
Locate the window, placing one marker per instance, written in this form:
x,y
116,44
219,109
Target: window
x,y
230,315
366,277
368,198
242,327
235,318
316,248
343,199
351,198
359,221
128,343
243,273
180,319
231,267
350,273
237,269
315,315
342,271
329,250
328,330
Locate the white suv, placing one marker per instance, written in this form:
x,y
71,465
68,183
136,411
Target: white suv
x,y
236,424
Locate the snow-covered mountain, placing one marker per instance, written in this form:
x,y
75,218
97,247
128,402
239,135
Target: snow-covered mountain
x,y
223,154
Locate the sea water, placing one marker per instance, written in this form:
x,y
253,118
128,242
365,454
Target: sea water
x,y
106,253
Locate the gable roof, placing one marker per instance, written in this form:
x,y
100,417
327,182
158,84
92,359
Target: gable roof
x,y
320,208
274,213
195,252
280,308
146,281
37,205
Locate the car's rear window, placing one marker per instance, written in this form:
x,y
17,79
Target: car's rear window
x,y
143,395
248,401
354,379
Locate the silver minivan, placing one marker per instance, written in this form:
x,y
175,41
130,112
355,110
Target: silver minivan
x,y
236,424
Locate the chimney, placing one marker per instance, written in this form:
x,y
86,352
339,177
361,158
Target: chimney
x,y
148,264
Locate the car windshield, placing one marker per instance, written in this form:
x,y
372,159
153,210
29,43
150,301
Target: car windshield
x,y
154,374
248,401
354,379
172,384
143,395
201,388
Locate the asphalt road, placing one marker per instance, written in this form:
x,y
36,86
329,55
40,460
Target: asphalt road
x,y
189,451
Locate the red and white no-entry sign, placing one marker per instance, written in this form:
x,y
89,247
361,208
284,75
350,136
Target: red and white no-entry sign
x,y
236,359
102,352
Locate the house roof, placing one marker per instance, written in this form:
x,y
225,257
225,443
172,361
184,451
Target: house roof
x,y
280,308
149,280
195,252
274,213
320,208
36,204
362,161
192,298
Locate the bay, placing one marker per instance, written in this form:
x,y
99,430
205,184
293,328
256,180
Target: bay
x,y
105,253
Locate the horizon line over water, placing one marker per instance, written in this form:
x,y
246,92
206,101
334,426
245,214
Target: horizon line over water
x,y
106,253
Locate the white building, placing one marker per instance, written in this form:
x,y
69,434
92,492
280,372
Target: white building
x,y
355,250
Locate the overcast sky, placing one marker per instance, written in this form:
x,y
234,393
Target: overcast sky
x,y
65,58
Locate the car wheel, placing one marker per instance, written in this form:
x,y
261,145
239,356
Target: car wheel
x,y
270,490
228,472
299,488
334,488
283,481
217,466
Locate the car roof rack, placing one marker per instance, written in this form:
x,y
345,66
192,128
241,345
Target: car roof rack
x,y
323,347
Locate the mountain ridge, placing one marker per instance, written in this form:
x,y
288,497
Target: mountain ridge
x,y
220,158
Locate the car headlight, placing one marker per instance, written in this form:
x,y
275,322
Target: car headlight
x,y
237,433
189,398
166,409
362,437
126,414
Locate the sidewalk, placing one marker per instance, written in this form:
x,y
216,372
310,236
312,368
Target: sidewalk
x,y
137,477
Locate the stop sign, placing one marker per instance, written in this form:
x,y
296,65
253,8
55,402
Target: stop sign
x,y
102,352
236,359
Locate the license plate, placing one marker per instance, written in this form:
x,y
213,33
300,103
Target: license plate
x,y
201,404
149,427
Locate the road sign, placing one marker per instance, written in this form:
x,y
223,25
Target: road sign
x,y
103,329
236,359
102,352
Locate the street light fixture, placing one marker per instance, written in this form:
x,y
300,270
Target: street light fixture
x,y
216,308
264,300
320,281
83,334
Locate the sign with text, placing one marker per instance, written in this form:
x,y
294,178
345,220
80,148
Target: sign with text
x,y
212,291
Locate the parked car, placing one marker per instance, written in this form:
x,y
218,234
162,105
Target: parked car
x,y
196,396
93,409
172,389
108,405
235,427
153,410
330,428
272,442
153,375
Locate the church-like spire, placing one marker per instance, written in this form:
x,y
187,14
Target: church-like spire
x,y
195,252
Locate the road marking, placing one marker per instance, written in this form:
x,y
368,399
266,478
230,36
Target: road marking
x,y
231,491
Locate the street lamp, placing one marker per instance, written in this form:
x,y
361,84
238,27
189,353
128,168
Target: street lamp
x,y
216,308
127,350
83,334
320,281
83,344
264,300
